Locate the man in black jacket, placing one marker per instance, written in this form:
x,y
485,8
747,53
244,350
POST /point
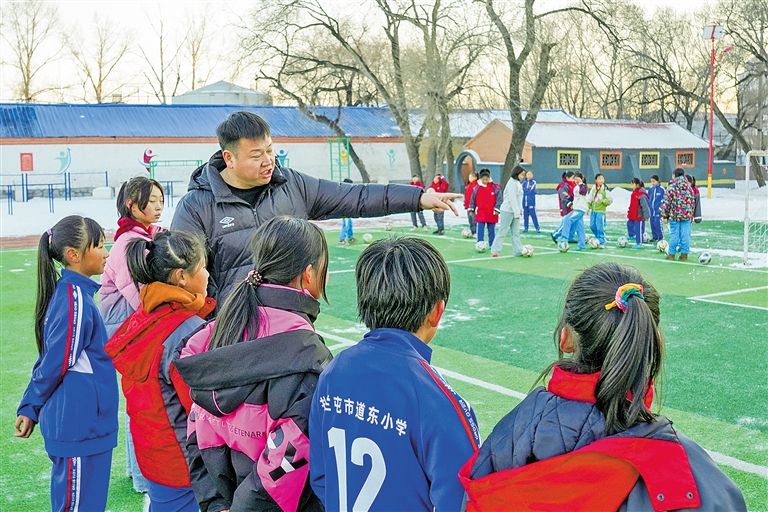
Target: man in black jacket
x,y
242,186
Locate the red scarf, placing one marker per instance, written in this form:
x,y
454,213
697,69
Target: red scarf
x,y
126,224
581,387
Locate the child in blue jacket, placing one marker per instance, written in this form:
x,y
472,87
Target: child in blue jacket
x,y
388,432
73,390
529,202
655,196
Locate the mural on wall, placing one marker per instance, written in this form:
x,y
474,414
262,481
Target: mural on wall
x,y
65,160
148,156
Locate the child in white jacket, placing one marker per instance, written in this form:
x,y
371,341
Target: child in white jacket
x,y
511,214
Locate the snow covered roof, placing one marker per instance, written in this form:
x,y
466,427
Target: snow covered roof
x,y
222,86
612,134
465,124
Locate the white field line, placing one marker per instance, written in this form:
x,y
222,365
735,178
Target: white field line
x,y
720,458
731,292
734,304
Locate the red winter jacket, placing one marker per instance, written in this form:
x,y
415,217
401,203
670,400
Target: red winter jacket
x,y
157,399
638,205
417,184
440,186
471,186
487,200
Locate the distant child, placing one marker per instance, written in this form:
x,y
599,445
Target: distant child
x,y
253,371
346,236
511,214
655,197
638,212
140,204
171,268
678,208
573,222
416,182
73,390
589,441
696,199
486,201
441,185
388,432
565,202
599,199
529,202
468,190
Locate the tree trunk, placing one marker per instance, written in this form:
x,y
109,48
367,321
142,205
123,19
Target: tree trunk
x,y
359,163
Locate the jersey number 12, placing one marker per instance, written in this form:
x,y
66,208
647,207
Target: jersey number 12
x,y
362,446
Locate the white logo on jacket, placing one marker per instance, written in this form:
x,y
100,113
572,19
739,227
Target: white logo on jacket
x,y
227,222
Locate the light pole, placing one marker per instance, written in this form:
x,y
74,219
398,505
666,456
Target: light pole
x,y
711,32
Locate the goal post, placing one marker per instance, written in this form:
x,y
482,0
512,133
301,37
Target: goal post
x,y
755,229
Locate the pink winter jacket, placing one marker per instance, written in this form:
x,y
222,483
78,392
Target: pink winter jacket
x,y
119,297
250,413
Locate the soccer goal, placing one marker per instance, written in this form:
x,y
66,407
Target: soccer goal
x,y
755,221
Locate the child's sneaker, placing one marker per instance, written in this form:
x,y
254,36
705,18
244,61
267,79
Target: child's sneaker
x,y
637,246
343,242
683,257
494,255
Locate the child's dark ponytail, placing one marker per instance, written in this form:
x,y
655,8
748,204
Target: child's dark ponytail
x,y
74,231
155,260
623,343
281,249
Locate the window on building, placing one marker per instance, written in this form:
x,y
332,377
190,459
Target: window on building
x,y
685,159
649,160
610,160
569,159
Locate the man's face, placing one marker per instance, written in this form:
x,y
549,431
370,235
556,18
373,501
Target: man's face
x,y
252,162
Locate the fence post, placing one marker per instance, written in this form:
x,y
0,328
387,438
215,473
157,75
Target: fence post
x,y
10,199
50,197
106,178
24,189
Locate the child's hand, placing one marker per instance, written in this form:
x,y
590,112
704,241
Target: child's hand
x,y
24,427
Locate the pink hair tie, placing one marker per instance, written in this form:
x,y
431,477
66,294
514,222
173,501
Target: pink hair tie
x,y
623,294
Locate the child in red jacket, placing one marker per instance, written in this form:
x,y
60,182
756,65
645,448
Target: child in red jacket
x,y
440,185
486,201
638,212
173,304
468,190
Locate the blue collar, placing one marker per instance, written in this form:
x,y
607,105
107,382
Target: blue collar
x,y
71,277
400,341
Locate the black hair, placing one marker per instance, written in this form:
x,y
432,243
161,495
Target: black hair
x,y
484,172
627,347
155,260
637,181
136,190
516,172
348,180
281,248
691,180
580,175
241,125
564,175
655,177
569,174
678,172
80,233
598,175
399,281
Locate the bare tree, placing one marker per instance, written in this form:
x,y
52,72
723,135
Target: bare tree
x,y
164,74
105,52
30,25
196,50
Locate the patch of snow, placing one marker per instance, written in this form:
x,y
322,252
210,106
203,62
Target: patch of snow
x,y
16,270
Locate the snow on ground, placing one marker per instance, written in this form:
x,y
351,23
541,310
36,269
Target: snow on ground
x,y
33,217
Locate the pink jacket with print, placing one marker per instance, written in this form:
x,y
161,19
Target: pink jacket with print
x,y
251,404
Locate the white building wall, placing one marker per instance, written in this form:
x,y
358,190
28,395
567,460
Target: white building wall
x,y
124,160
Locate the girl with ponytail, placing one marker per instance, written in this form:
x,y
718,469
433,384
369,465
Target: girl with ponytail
x,y
170,271
73,389
589,441
254,369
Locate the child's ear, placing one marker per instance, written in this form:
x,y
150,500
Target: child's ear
x,y
71,255
434,316
308,275
177,277
566,340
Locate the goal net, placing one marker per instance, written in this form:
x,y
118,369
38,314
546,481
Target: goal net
x,y
755,217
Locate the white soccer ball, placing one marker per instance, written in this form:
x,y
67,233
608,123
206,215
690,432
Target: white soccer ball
x,y
481,246
622,241
593,243
662,245
527,250
705,257
367,238
387,227
563,245
466,233
646,237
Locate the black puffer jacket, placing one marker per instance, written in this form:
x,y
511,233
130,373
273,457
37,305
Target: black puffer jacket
x,y
227,222
544,425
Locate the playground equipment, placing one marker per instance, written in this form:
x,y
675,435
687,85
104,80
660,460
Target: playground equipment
x,y
154,164
339,158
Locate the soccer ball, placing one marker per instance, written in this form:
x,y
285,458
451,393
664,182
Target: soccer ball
x,y
527,251
481,246
705,257
387,227
563,245
593,243
466,233
367,238
622,241
646,237
662,245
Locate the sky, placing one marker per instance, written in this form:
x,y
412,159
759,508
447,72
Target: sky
x,y
136,18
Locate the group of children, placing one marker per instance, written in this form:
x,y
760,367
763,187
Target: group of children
x,y
250,411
